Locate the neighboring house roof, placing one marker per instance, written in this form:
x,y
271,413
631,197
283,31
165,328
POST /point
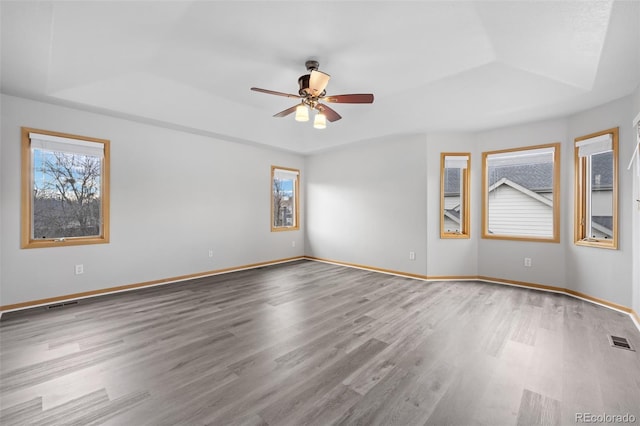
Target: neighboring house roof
x,y
603,224
537,177
532,194
604,221
601,166
452,214
451,182
534,180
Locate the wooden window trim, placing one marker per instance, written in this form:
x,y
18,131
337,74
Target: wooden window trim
x,y
466,197
580,201
296,201
27,242
555,238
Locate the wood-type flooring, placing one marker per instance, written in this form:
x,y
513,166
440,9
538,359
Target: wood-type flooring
x,y
310,343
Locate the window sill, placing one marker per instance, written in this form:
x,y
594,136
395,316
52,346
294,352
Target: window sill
x,y
285,228
453,236
610,245
64,242
521,238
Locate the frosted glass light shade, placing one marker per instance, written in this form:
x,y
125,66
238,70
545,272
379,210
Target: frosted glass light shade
x,y
302,113
320,121
318,82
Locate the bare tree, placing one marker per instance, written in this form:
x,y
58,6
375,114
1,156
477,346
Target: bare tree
x,y
67,196
283,202
278,198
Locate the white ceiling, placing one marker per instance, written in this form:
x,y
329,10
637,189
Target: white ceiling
x,y
432,65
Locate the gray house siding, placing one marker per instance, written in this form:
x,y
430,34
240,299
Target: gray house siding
x,y
513,212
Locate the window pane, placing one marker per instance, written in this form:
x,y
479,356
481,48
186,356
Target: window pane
x,y
66,195
453,208
520,193
454,194
600,212
283,202
64,189
596,189
284,199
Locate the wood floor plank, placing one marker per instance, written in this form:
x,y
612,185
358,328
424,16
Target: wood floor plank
x,y
370,409
500,402
316,386
310,343
536,409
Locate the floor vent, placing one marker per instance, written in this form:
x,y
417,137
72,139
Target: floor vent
x,y
60,305
620,342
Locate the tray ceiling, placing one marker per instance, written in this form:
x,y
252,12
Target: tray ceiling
x,y
433,66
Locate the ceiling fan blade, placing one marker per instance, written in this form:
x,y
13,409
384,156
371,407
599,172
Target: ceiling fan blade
x,y
286,111
329,113
358,98
273,92
318,82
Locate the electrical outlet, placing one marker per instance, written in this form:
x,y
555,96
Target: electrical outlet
x,y
79,269
293,243
412,255
210,252
527,262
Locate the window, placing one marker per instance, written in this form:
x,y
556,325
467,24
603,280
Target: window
x,y
596,190
284,199
65,189
521,193
454,195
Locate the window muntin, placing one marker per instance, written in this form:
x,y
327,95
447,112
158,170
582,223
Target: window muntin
x,y
521,193
454,195
65,182
284,199
596,189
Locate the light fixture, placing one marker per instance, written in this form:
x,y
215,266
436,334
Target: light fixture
x,y
302,113
320,121
318,82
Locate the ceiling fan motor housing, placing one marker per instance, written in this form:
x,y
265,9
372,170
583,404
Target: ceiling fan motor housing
x,y
312,65
303,82
305,91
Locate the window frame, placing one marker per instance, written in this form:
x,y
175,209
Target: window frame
x,y
296,189
581,197
27,180
465,197
555,237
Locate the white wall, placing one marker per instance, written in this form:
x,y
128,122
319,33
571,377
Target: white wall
x,y
636,216
450,257
350,218
369,204
504,259
599,272
174,195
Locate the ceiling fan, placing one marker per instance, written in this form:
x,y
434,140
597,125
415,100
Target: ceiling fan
x,y
312,94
